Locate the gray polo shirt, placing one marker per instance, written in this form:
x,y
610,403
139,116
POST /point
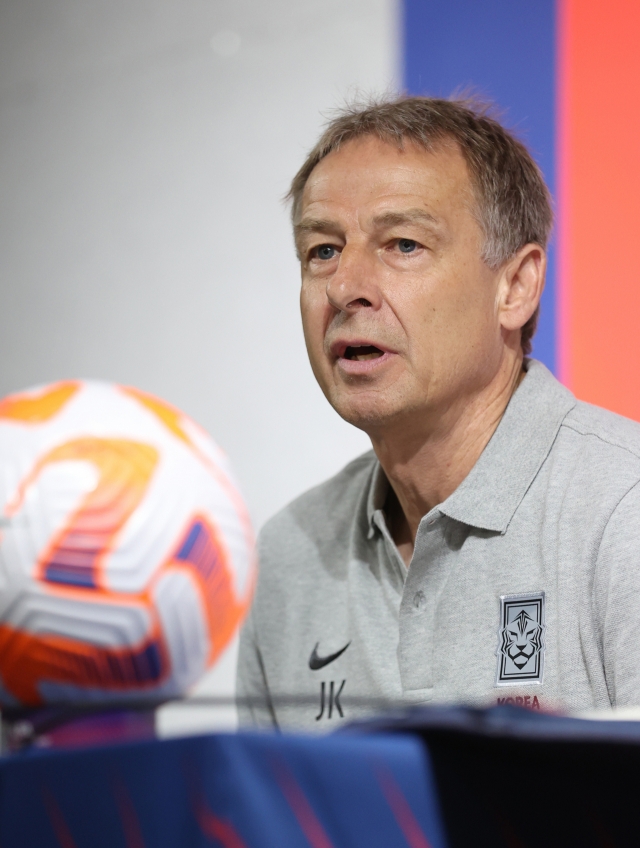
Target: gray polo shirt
x,y
524,586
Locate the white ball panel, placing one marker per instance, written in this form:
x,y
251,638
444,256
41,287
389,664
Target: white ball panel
x,y
184,626
107,625
48,502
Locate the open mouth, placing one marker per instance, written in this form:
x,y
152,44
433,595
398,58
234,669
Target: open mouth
x,y
362,352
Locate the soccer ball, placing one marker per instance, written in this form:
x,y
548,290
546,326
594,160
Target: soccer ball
x,y
126,554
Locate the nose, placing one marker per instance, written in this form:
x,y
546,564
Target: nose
x,y
354,285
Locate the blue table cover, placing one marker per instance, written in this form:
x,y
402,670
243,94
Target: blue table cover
x,y
235,791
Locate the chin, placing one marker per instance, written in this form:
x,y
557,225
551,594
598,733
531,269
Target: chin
x,y
368,415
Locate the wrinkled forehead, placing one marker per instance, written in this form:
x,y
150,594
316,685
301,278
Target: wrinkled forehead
x,y
366,171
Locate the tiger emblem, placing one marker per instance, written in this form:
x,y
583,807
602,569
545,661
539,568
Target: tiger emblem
x,y
521,639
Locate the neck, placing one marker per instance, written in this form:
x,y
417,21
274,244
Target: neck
x,y
425,459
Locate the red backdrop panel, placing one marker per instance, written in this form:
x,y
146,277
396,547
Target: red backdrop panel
x,y
599,148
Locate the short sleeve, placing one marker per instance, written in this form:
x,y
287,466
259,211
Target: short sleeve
x,y
252,692
617,600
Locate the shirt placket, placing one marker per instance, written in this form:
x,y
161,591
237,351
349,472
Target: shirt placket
x,y
425,581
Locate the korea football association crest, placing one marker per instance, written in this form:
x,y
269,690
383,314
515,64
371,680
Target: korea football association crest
x,y
521,639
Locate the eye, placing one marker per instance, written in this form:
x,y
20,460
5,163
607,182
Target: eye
x,y
324,252
407,245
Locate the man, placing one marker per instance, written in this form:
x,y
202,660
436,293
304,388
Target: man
x,y
487,549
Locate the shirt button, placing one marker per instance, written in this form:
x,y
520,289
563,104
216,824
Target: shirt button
x,y
419,600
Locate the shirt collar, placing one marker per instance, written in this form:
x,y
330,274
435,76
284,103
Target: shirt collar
x,y
378,488
492,491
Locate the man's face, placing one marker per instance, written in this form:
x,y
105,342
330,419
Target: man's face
x,y
399,311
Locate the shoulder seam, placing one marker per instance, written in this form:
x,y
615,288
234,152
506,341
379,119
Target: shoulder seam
x,y
589,432
359,467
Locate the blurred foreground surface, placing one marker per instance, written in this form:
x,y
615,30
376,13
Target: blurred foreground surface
x,y
244,790
425,777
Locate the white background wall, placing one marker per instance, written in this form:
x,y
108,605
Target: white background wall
x,y
145,146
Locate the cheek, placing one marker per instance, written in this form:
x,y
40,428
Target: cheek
x,y
312,310
448,322
467,304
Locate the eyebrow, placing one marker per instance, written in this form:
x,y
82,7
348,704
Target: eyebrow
x,y
314,225
406,216
385,219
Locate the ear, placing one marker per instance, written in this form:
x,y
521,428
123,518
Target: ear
x,y
521,285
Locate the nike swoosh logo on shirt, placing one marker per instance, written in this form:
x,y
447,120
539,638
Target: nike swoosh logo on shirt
x,y
316,662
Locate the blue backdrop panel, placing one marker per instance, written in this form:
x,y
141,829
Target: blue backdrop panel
x,y
243,791
505,51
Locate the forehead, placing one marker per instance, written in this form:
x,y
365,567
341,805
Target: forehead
x,y
367,173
